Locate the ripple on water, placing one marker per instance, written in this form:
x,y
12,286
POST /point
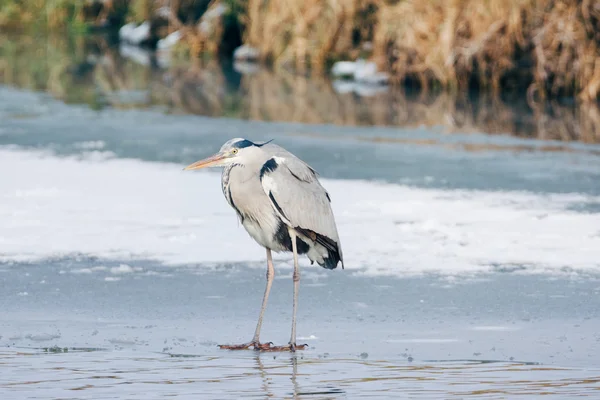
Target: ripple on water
x,y
121,374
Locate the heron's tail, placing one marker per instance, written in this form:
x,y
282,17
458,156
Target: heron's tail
x,y
333,253
332,259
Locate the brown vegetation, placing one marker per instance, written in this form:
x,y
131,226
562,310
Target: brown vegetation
x,y
66,70
549,47
308,33
60,14
543,49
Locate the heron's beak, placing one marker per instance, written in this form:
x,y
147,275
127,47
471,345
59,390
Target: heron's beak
x,y
211,161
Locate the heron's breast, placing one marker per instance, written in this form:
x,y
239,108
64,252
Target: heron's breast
x,y
262,227
255,210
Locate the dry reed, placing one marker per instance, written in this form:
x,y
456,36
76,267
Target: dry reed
x,y
60,14
548,47
545,49
304,34
55,65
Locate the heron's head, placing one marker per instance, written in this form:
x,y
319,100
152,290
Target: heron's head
x,y
234,151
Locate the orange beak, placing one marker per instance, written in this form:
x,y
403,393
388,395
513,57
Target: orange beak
x,y
211,161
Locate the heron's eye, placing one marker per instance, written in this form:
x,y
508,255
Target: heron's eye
x,y
234,151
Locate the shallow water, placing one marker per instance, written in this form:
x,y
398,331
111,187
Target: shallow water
x,y
151,332
442,161
472,259
97,375
98,71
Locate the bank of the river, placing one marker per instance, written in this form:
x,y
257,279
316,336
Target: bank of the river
x,y
93,70
540,48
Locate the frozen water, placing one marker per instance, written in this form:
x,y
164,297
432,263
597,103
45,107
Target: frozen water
x,y
129,209
414,156
145,336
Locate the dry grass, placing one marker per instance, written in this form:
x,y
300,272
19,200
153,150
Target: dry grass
x,y
542,48
304,34
549,47
60,14
51,13
201,34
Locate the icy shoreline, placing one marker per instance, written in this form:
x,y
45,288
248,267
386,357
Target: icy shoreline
x,y
121,208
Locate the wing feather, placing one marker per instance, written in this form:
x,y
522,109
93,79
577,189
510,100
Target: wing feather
x,y
299,199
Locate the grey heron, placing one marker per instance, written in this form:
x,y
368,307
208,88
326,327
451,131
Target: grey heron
x,y
283,207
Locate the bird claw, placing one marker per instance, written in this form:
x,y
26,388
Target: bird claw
x,y
245,346
235,346
290,347
263,346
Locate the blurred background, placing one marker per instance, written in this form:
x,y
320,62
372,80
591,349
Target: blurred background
x,y
528,68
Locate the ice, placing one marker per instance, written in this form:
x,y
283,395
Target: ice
x,y
82,271
495,328
423,340
310,337
91,145
123,209
42,337
122,269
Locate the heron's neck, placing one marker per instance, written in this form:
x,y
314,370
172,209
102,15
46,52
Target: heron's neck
x,y
225,177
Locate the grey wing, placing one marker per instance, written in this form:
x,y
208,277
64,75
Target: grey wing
x,y
299,199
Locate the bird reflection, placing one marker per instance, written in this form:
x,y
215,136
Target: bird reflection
x,y
294,361
264,376
267,378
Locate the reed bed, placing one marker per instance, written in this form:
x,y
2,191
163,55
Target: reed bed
x,y
541,48
19,15
548,48
60,67
289,97
307,34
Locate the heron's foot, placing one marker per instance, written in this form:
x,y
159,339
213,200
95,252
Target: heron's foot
x,y
290,347
254,344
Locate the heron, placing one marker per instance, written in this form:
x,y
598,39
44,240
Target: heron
x,y
282,205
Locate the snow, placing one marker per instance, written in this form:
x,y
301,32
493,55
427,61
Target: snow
x,y
135,54
169,41
242,67
210,18
245,52
120,209
133,33
123,269
362,89
361,71
366,80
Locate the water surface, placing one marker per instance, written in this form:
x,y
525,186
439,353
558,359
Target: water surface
x,y
470,229
101,73
148,332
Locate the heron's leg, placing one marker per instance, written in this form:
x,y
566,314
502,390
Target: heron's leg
x,y
296,287
292,345
255,343
270,275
